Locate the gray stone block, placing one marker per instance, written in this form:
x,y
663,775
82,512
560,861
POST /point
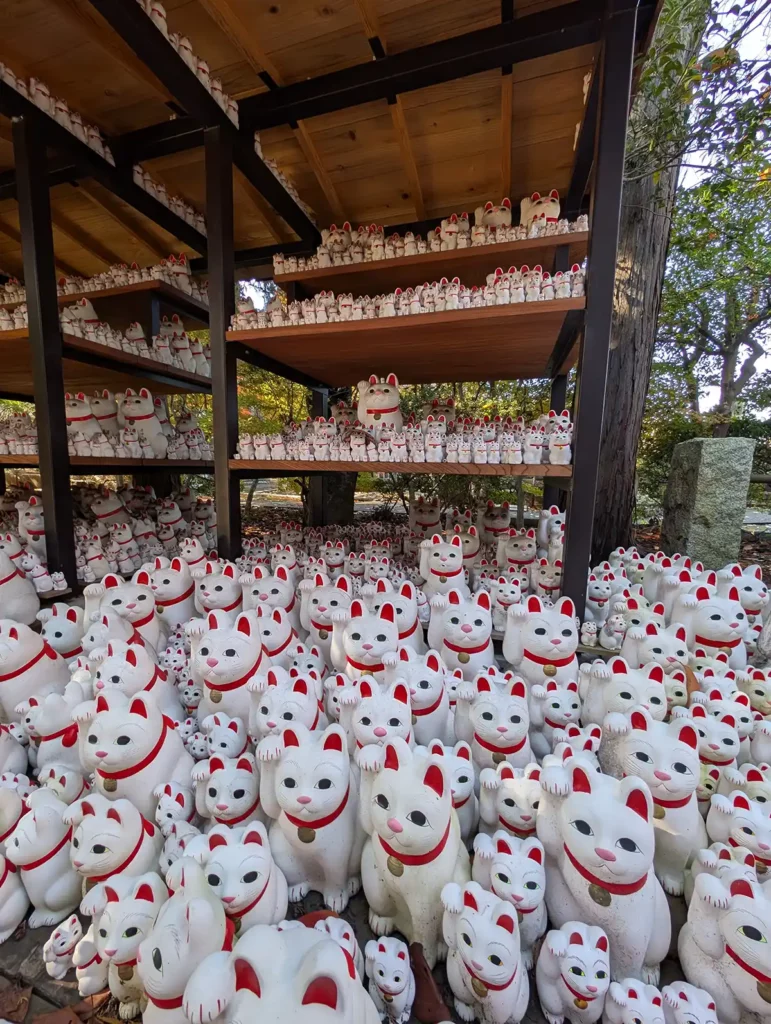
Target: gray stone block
x,y
706,498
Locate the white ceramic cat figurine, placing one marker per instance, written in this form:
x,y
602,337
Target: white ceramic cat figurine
x,y
553,707
360,639
223,658
14,902
58,951
723,947
513,869
464,798
319,600
742,822
686,1004
628,999
371,717
432,716
666,756
315,836
90,969
405,865
111,837
599,840
615,687
28,664
225,736
573,973
461,630
540,642
228,790
484,962
391,981
175,803
509,799
494,721
378,404
441,565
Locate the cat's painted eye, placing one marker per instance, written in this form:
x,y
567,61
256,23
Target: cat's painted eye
x,y
727,742
365,720
324,784
263,710
625,695
249,877
130,932
238,793
487,715
567,632
680,768
509,802
747,830
577,971
751,932
495,959
212,791
455,620
204,651
92,739
642,756
417,818
503,878
382,801
760,799
582,826
287,716
701,734
289,782
123,740
213,880
99,848
624,843
141,597
604,974
716,618
355,636
515,719
466,939
464,778
394,723
540,631
315,600
424,684
381,638
532,885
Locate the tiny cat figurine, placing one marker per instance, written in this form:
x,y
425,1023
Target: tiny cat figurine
x,y
228,790
405,864
494,721
615,687
312,854
432,716
371,717
599,840
573,973
686,1004
378,404
175,803
553,707
484,962
629,997
58,951
742,823
464,799
509,799
391,981
722,947
513,869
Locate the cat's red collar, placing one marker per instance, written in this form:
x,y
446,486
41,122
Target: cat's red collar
x,y
125,773
420,712
241,681
51,853
615,888
238,914
447,572
501,750
318,823
241,817
521,833
488,984
703,641
176,600
574,992
758,975
369,669
737,846
45,650
272,652
147,829
467,650
410,631
556,662
415,860
68,735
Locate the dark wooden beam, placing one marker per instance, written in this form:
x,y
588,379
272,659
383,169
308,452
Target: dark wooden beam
x,y
130,22
45,341
219,206
584,155
615,74
118,180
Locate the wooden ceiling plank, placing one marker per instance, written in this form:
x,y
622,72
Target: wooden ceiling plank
x,y
308,147
13,234
82,238
370,20
408,157
104,200
274,224
507,93
241,37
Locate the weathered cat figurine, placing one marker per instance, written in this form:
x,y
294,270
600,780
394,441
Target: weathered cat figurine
x,y
414,846
513,869
484,962
360,639
58,951
509,799
540,643
461,630
391,981
315,836
573,973
494,721
599,842
228,790
686,1004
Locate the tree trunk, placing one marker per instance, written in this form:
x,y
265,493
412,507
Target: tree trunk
x,y
646,215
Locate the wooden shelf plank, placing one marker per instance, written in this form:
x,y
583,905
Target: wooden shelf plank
x,y
89,365
471,265
174,298
80,463
258,466
488,343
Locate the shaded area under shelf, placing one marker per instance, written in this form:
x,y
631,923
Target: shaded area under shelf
x,y
299,467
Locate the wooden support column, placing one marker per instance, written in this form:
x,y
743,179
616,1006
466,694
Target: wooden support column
x,y
615,85
219,222
317,515
45,341
559,388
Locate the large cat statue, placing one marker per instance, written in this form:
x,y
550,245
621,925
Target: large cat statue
x,y
724,947
513,869
308,789
277,975
573,973
540,642
378,404
599,840
484,962
414,845
29,666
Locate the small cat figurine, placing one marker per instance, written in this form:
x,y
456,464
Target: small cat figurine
x,y
495,722
360,639
540,642
509,799
461,630
371,717
391,981
228,791
573,973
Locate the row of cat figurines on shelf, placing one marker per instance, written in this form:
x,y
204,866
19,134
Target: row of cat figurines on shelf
x,y
57,108
529,823
340,246
513,286
174,271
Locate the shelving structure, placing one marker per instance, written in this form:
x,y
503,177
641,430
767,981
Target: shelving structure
x,y
383,118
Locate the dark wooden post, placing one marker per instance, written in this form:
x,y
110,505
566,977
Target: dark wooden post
x,y
559,388
219,226
45,342
317,515
613,112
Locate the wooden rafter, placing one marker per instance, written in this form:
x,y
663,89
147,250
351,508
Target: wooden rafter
x,y
82,238
507,93
13,234
106,202
242,38
275,225
374,32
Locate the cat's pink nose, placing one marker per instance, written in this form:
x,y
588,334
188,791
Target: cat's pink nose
x,y
608,855
77,863
395,825
263,597
303,799
379,731
714,746
592,988
516,897
99,685
132,605
664,776
556,642
413,691
271,725
212,662
101,753
222,807
764,846
733,625
228,899
322,607
110,952
465,629
502,728
366,647
526,817
476,966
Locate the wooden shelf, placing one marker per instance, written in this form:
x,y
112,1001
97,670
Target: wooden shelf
x,y
488,343
127,297
471,265
258,466
88,366
81,463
